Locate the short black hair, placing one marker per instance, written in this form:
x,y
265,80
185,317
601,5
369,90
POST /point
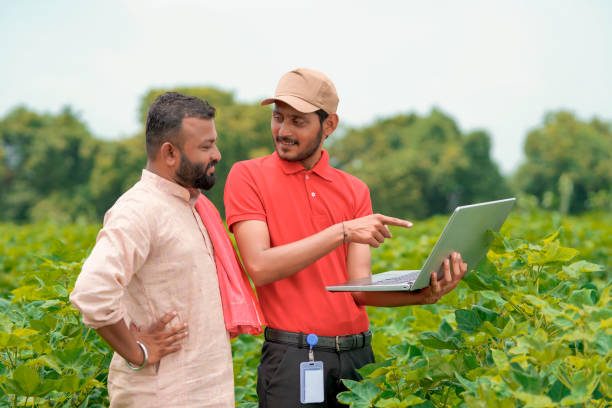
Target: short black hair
x,y
322,115
166,117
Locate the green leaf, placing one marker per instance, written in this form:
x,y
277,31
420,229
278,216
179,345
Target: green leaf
x,y
558,391
486,315
552,236
493,297
52,305
530,382
417,373
406,401
27,379
577,269
69,383
445,329
446,338
45,361
426,319
467,320
10,386
368,369
501,359
24,332
28,292
361,394
581,297
6,325
407,350
583,386
551,253
73,359
475,282
534,401
47,323
7,341
470,362
488,327
471,386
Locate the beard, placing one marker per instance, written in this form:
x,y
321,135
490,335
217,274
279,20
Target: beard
x,y
195,175
308,151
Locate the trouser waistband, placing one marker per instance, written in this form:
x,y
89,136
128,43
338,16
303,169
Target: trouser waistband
x,y
337,343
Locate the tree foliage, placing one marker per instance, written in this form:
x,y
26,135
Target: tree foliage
x,y
47,161
52,167
568,161
419,166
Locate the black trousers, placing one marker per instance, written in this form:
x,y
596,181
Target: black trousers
x,y
278,374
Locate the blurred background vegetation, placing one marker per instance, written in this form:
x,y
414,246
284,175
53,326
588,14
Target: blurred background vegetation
x,y
53,168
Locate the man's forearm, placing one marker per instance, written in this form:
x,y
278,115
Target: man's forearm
x,y
267,263
427,295
390,299
283,261
119,337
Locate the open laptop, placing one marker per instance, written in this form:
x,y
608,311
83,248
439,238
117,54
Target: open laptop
x,y
466,232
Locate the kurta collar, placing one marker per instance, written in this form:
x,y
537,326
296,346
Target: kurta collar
x,y
169,187
322,168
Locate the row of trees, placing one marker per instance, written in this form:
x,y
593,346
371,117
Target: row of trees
x,y
52,167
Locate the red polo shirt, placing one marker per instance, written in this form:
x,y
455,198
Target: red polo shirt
x,y
296,203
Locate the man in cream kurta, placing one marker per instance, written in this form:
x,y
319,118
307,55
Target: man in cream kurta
x,y
154,256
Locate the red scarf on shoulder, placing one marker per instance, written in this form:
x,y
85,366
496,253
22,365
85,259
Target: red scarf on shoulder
x,y
241,309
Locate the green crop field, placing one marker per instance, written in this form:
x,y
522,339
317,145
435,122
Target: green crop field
x,y
531,327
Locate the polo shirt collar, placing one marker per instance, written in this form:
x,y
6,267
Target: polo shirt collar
x,y
169,187
322,168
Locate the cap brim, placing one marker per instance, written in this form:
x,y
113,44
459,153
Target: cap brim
x,y
296,103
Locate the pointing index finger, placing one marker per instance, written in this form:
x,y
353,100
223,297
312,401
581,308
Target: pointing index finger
x,y
395,221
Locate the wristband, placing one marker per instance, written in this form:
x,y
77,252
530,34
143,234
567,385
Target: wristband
x,y
146,358
343,234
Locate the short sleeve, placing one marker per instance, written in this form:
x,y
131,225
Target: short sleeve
x,y
122,247
363,202
242,199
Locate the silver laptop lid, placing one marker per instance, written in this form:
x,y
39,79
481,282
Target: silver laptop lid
x,y
466,233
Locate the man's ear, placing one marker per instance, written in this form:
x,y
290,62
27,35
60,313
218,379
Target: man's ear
x,y
330,124
169,154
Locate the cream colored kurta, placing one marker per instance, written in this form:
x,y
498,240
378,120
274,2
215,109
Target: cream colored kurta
x,y
153,256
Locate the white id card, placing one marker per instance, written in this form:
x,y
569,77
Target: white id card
x,y
311,382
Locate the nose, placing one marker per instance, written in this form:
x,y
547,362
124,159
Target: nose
x,y
284,129
217,156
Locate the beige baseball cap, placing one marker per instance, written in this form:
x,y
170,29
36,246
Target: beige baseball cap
x,y
306,90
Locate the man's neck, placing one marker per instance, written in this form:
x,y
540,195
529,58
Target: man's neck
x,y
161,172
312,160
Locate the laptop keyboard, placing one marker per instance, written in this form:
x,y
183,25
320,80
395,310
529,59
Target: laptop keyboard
x,y
397,280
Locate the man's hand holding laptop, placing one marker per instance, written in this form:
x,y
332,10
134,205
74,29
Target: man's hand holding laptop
x,y
454,270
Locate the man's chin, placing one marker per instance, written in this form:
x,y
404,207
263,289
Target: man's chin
x,y
206,184
287,155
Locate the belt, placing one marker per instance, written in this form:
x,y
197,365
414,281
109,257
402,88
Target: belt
x,y
337,343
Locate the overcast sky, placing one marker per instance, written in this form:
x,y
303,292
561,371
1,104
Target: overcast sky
x,y
493,65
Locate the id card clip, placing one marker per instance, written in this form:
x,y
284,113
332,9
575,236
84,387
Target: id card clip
x,y
311,376
312,341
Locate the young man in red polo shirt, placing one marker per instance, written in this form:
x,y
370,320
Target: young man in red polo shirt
x,y
300,225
